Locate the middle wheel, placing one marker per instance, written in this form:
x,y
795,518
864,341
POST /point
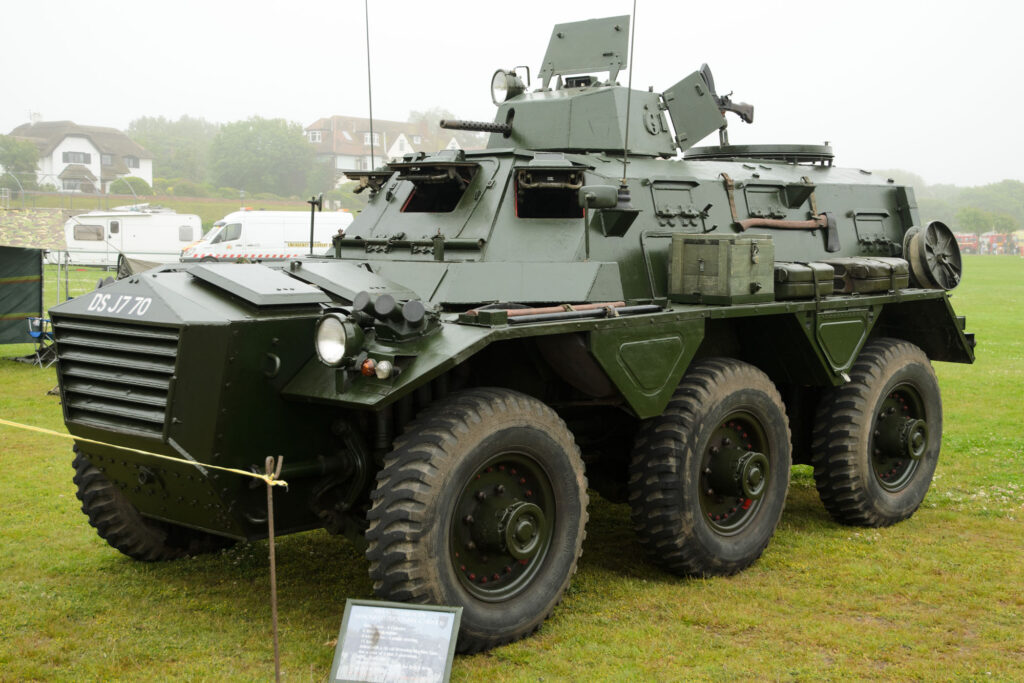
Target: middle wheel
x,y
708,477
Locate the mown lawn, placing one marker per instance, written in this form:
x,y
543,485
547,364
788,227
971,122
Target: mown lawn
x,y
940,596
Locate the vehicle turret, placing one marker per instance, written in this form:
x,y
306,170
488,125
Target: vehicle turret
x,y
575,110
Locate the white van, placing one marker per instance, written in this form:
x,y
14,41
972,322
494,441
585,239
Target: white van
x,y
97,238
267,236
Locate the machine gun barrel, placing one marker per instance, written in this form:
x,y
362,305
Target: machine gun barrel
x,y
481,126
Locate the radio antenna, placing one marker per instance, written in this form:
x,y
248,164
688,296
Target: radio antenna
x,y
369,84
629,93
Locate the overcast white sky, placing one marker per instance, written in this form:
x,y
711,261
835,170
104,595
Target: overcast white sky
x,y
936,88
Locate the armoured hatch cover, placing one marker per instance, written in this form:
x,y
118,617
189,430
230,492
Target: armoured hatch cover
x,y
794,154
259,285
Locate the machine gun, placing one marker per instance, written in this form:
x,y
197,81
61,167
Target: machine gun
x,y
742,109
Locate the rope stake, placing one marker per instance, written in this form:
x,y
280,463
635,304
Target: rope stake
x,y
272,473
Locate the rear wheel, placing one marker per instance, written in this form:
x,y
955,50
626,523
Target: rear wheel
x,y
482,504
708,477
876,440
120,524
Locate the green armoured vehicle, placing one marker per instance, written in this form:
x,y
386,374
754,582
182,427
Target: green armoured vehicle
x,y
500,327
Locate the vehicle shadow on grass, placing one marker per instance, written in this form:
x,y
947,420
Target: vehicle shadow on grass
x,y
316,573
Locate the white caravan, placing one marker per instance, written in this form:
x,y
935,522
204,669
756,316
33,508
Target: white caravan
x,y
97,238
267,236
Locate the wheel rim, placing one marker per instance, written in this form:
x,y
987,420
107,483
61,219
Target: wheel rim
x,y
502,526
899,438
735,468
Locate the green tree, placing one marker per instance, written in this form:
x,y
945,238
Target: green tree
x,y
429,122
180,148
322,178
261,155
131,185
18,157
973,219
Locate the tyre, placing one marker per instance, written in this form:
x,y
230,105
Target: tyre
x,y
708,478
120,524
482,503
876,439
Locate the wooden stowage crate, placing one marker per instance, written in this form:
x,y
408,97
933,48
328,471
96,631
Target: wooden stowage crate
x,y
721,269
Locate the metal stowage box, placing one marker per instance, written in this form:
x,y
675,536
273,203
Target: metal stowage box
x,y
721,269
803,280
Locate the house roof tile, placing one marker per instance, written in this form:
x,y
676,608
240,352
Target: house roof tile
x,y
48,134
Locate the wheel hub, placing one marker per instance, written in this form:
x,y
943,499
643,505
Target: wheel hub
x,y
735,473
900,439
503,527
902,436
521,525
739,472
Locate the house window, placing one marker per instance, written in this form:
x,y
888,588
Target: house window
x,y
416,139
131,162
89,233
360,164
366,138
77,158
376,139
315,136
72,184
106,159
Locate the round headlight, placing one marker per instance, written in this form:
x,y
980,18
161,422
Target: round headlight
x,y
337,339
505,85
331,339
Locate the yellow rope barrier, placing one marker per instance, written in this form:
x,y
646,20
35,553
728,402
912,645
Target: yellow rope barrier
x,y
270,479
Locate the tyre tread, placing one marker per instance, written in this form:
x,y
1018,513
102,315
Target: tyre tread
x,y
655,472
415,465
834,439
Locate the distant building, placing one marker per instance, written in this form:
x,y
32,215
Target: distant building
x,y
84,158
346,141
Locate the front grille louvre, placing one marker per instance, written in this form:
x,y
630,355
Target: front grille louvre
x,y
115,375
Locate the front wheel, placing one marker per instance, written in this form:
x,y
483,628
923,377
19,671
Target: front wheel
x,y
482,504
123,527
708,477
876,439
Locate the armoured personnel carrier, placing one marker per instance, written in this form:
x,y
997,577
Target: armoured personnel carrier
x,y
500,327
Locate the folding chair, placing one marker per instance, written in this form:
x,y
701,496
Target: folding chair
x,y
41,330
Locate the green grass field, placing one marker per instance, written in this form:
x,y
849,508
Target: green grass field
x,y
938,597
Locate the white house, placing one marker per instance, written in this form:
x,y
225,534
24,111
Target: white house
x,y
84,158
346,141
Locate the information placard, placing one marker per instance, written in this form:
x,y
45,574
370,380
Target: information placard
x,y
381,642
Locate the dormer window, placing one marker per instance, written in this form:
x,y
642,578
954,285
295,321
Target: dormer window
x,y
76,158
106,159
131,162
315,136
